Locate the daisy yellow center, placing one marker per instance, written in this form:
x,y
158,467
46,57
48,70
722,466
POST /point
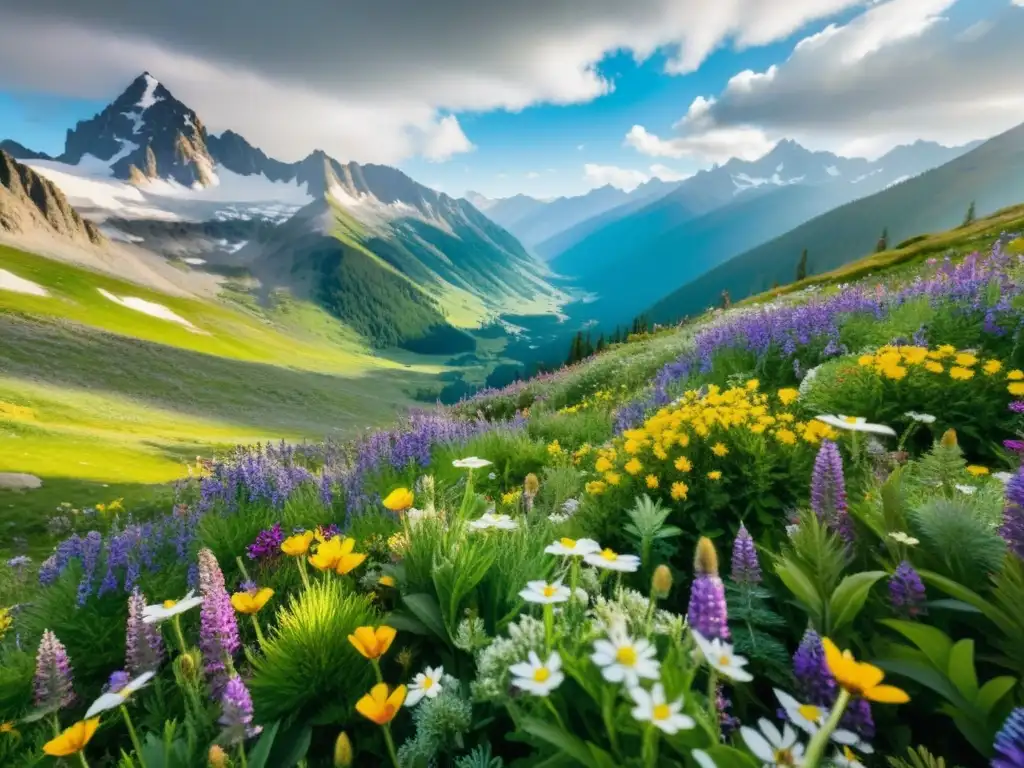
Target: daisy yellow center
x,y
608,554
170,603
541,675
626,655
548,591
428,683
568,543
784,757
723,660
848,753
850,419
809,712
661,712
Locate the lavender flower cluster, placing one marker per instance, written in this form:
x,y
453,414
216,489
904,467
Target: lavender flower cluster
x,y
979,285
122,555
828,491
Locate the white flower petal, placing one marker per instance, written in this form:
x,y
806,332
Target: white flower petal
x,y
757,744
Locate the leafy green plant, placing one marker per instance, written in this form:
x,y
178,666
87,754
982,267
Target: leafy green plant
x,y
918,757
308,665
752,621
948,669
480,757
441,724
647,528
956,543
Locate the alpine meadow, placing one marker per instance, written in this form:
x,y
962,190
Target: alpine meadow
x,y
512,385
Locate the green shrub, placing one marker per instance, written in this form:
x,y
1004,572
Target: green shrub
x,y
308,668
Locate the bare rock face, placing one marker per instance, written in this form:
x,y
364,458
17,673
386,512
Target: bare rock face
x,y
29,201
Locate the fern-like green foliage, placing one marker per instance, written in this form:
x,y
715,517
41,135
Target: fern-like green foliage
x,y
917,758
752,621
480,757
308,666
440,724
955,542
821,553
648,530
1008,596
941,467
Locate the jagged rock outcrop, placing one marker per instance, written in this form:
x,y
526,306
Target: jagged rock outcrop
x,y
30,202
21,152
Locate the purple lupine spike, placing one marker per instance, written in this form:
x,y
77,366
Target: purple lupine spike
x,y
745,567
1012,529
144,646
814,680
236,712
267,543
218,634
906,592
707,613
858,718
1009,745
828,491
727,723
1017,406
1017,446
54,681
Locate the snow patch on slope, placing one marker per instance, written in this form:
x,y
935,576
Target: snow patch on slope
x,y
896,181
150,308
149,97
11,282
744,181
866,175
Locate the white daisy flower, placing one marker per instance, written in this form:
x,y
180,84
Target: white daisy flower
x,y
774,748
491,520
921,418
153,614
653,708
536,677
846,758
569,506
471,462
809,719
570,547
613,561
426,684
545,594
114,700
623,659
969,490
720,656
416,516
904,538
703,759
856,424
557,518
1002,477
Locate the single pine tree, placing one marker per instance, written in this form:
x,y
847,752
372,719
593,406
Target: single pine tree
x,y
726,301
600,344
801,267
969,216
883,241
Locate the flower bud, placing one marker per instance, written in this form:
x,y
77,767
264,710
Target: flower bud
x,y
342,751
661,582
217,757
531,485
187,666
948,438
705,561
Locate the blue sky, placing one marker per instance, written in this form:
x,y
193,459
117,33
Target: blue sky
x,y
543,150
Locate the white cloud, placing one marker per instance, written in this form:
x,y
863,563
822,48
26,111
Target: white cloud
x,y
625,179
898,72
533,175
370,82
715,145
668,174
444,139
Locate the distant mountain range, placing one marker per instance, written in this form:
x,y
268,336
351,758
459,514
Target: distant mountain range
x,y
625,258
391,257
989,175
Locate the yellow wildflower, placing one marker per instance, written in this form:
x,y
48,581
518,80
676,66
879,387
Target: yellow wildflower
x,y
719,450
633,466
788,395
865,360
554,449
976,470
372,642
297,545
379,705
757,429
336,555
595,487
960,374
753,384
612,478
992,367
399,500
251,602
1015,375
652,481
914,355
602,465
934,367
894,372
1016,388
786,437
683,464
966,359
387,581
73,739
859,678
714,475
679,491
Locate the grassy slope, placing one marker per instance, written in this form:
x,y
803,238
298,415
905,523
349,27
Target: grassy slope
x,y
93,393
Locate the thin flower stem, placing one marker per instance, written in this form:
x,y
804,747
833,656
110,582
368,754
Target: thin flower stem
x,y
391,745
241,567
241,756
713,700
549,626
816,748
133,735
176,621
82,760
607,704
302,571
376,669
56,725
558,717
259,632
649,749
